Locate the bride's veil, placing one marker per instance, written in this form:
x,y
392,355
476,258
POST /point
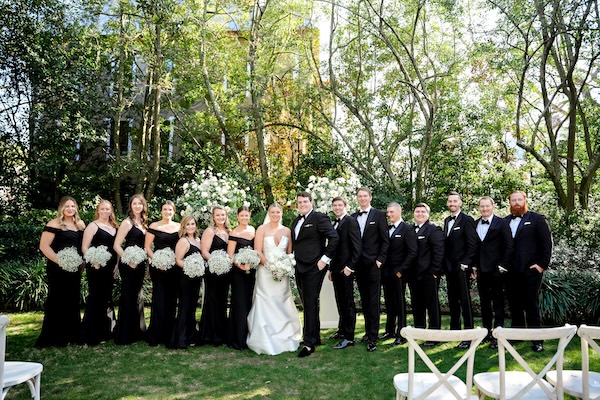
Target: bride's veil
x,y
268,220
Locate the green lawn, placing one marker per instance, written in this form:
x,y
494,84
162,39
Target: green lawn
x,y
142,372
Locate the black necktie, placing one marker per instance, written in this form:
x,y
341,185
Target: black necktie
x,y
485,221
361,213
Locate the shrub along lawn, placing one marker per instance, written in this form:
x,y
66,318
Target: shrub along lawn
x,y
142,372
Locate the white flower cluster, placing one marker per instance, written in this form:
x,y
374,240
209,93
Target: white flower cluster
x,y
69,259
323,190
97,256
134,255
219,262
209,190
194,265
247,255
163,259
281,266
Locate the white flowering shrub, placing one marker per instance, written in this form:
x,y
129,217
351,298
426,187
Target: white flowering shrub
x,y
324,189
209,190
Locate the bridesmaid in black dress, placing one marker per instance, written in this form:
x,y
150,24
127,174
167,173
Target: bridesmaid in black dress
x,y
213,322
242,281
62,322
161,235
98,319
185,332
130,323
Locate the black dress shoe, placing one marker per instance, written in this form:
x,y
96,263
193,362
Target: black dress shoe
x,y
371,347
385,336
306,351
494,344
537,347
364,339
335,336
487,339
398,341
429,343
343,344
465,344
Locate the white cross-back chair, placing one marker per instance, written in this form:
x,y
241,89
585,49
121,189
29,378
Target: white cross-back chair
x,y
435,384
584,384
14,373
526,384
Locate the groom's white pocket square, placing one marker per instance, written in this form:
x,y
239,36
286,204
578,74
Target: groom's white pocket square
x,y
372,223
307,225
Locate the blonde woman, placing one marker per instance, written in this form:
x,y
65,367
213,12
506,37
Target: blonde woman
x,y
62,322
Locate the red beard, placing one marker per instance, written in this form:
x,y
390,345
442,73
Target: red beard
x,y
518,210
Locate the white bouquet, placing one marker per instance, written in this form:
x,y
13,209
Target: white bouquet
x,y
247,255
69,259
97,256
219,262
134,255
281,265
194,265
163,259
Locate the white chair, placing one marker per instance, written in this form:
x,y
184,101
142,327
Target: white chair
x,y
582,384
435,384
14,373
524,384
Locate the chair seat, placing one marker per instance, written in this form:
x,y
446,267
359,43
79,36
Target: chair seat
x,y
572,382
489,384
16,372
424,380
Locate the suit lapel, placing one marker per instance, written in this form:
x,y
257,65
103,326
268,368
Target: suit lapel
x,y
342,221
524,219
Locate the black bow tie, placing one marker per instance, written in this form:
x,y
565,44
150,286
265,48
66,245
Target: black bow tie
x,y
362,213
515,216
336,221
485,221
391,226
301,217
452,218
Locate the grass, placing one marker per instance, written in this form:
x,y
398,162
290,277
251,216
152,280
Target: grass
x,y
142,372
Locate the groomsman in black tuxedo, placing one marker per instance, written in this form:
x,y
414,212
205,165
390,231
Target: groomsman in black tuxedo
x,y
375,241
492,261
313,242
460,247
423,280
402,252
342,268
532,251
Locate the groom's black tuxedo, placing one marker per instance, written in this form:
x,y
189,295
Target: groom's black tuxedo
x,y
315,239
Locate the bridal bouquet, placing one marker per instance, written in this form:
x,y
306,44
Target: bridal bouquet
x,y
69,259
194,265
281,265
134,255
163,259
97,256
247,256
219,262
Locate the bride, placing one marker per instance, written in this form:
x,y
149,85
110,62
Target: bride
x,y
273,322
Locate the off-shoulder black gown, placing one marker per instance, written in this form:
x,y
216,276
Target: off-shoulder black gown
x,y
131,324
98,319
164,293
62,321
185,332
213,322
242,287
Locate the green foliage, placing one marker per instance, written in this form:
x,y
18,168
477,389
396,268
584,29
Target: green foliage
x,y
24,286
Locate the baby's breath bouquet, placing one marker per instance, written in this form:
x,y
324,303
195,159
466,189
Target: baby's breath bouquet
x,y
134,255
163,259
219,262
69,259
194,265
247,255
97,256
281,265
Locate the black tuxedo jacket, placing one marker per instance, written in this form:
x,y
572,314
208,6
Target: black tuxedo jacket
x,y
316,237
349,245
430,251
375,239
496,248
461,243
532,243
402,250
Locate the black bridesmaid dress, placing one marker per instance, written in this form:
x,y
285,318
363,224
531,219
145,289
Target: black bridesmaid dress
x,y
62,321
242,287
98,319
213,322
130,323
164,293
185,332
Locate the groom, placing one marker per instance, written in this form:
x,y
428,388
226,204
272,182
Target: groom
x,y
313,241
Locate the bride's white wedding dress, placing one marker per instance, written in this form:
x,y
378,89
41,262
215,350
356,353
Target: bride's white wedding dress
x,y
273,323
